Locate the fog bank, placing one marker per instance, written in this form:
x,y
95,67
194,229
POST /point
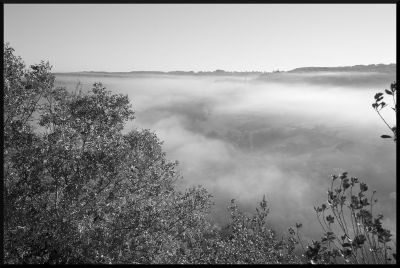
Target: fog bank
x,y
282,136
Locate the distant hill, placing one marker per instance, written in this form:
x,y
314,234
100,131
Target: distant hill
x,y
361,76
207,73
376,68
380,68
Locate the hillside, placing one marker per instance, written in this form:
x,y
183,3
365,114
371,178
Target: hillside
x,y
381,68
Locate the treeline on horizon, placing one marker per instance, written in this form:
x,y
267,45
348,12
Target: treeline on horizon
x,y
381,68
80,191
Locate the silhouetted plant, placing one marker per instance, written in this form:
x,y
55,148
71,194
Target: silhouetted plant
x,y
352,234
379,104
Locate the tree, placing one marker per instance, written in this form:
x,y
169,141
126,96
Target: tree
x,y
80,191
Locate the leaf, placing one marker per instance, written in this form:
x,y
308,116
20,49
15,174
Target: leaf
x,y
388,92
330,219
386,137
363,187
377,95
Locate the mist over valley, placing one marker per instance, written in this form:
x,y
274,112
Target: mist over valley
x,y
282,134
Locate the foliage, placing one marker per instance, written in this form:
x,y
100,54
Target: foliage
x,y
248,240
379,104
80,191
352,234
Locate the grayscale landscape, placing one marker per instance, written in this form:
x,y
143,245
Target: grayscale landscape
x,y
199,134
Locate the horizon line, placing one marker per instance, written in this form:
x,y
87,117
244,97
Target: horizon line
x,y
225,71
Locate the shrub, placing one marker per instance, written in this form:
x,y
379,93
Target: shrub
x,y
80,191
352,234
248,240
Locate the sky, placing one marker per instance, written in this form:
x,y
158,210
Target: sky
x,y
201,37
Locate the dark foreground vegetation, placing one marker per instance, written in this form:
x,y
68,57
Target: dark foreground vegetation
x,y
77,190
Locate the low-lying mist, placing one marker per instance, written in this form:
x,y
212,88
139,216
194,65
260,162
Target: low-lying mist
x,y
281,135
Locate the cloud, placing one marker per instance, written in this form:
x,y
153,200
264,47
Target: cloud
x,y
245,138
